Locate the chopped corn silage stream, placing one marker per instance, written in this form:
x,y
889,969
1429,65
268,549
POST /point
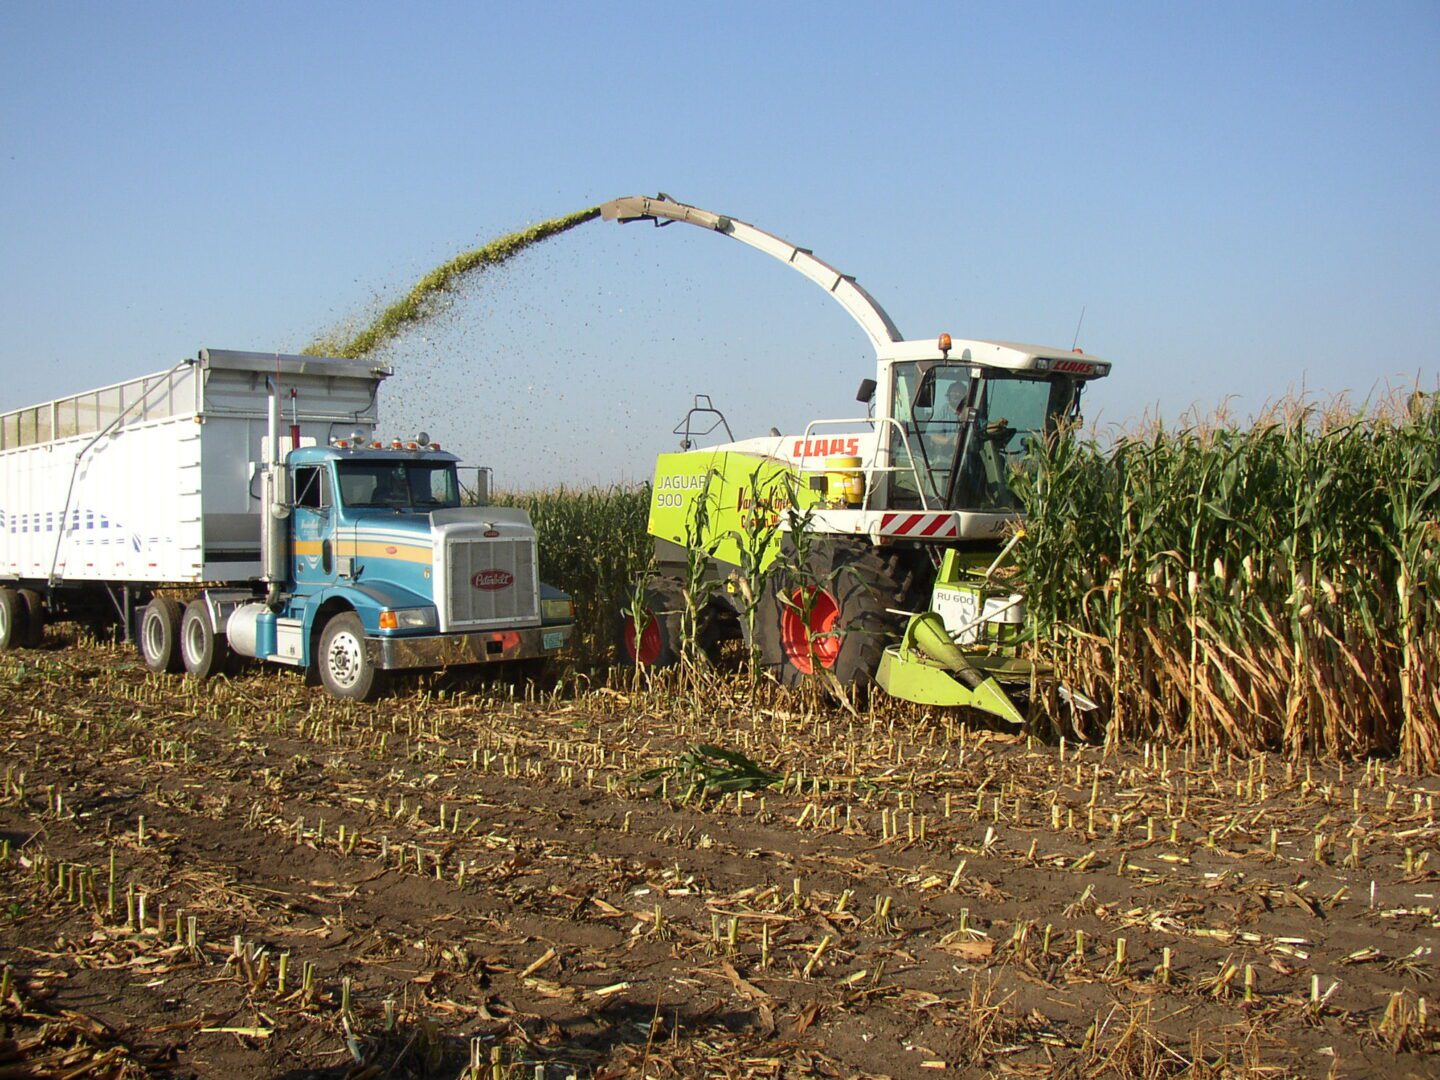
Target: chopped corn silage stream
x,y
422,301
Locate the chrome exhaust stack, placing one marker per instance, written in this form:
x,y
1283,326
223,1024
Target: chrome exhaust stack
x,y
274,536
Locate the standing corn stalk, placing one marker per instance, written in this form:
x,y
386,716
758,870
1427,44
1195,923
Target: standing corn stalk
x,y
1245,588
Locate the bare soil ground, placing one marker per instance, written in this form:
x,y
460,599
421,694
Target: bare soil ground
x,y
245,879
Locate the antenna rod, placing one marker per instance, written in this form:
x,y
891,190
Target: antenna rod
x,y
1076,339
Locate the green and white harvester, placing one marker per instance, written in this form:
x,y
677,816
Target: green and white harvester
x,y
870,549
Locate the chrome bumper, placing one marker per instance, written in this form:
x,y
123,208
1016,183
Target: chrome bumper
x,y
484,647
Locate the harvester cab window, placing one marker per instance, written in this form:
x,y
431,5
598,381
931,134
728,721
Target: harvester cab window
x,y
930,402
1012,414
398,485
966,428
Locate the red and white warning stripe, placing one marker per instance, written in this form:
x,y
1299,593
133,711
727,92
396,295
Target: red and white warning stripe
x,y
944,526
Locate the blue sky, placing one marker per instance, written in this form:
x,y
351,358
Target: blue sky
x,y
1244,198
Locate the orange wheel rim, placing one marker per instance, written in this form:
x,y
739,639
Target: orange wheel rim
x,y
805,633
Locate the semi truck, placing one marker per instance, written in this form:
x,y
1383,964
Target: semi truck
x,y
242,504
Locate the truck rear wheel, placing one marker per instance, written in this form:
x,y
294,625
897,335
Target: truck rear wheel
x,y
829,614
345,667
160,636
12,620
34,605
204,652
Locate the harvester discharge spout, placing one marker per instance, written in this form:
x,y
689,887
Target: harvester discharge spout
x,y
843,288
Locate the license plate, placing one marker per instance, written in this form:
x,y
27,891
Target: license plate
x,y
554,639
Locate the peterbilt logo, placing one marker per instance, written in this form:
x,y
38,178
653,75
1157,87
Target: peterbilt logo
x,y
490,580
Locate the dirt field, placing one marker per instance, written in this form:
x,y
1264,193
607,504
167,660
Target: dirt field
x,y
450,879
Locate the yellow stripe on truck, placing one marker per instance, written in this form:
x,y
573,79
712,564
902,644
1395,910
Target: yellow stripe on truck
x,y
369,549
416,553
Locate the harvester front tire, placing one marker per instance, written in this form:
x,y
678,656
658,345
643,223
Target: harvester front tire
x,y
160,636
12,620
34,606
204,652
346,669
845,589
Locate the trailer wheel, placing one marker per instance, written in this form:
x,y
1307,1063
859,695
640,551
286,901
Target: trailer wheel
x,y
34,606
345,668
160,636
829,614
204,652
12,619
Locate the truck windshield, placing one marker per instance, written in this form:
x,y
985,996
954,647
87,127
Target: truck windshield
x,y
399,485
966,428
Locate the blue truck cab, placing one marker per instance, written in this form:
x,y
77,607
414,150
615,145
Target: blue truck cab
x,y
385,569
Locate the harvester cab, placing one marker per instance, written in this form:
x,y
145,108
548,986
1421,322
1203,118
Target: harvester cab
x,y
908,512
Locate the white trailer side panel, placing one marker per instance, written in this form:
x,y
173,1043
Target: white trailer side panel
x,y
169,494
135,511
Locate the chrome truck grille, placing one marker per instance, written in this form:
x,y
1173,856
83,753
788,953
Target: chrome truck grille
x,y
490,583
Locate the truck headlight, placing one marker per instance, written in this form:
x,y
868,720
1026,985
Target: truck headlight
x,y
418,618
557,610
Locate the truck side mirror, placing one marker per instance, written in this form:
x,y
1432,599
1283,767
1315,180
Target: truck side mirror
x,y
866,393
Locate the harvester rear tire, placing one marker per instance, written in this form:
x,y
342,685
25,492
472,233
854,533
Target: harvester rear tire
x,y
12,620
204,652
661,642
853,586
658,644
34,605
346,669
160,636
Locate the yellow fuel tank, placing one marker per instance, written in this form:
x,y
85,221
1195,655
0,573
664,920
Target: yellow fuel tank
x,y
845,480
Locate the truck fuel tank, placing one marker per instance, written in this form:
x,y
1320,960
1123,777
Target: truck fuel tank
x,y
249,632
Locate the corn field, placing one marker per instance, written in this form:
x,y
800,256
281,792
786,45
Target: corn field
x,y
1269,588
1260,588
593,544
647,876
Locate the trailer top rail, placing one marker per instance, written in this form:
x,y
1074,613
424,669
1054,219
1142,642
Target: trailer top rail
x,y
175,392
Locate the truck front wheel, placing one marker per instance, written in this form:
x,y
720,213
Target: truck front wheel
x,y
345,667
204,651
160,636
